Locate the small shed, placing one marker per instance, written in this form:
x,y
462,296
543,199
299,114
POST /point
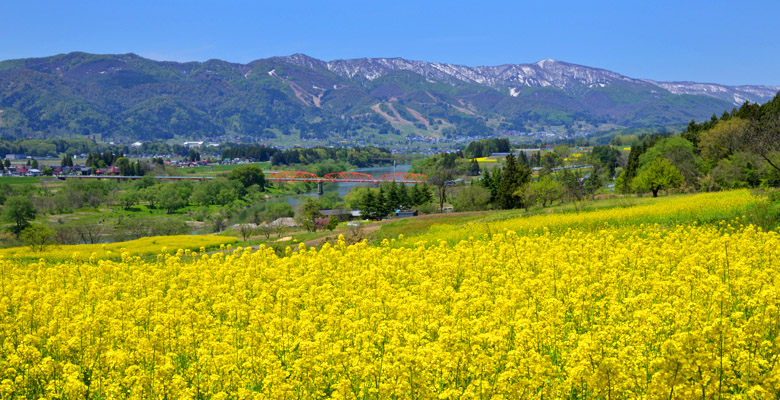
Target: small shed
x,y
341,214
406,213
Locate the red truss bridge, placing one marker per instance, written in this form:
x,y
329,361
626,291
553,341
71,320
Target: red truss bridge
x,y
349,177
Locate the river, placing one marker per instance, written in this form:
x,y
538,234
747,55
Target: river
x,y
342,188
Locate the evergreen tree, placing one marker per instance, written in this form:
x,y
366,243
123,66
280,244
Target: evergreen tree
x,y
474,167
67,160
594,181
393,197
427,195
491,182
513,177
419,195
137,169
632,166
367,204
523,159
403,196
382,205
572,184
414,195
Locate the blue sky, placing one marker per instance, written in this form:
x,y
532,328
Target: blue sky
x,y
704,41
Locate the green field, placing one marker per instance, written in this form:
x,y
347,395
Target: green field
x,y
20,180
214,170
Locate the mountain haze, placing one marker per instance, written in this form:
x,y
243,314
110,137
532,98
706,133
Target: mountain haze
x,y
128,97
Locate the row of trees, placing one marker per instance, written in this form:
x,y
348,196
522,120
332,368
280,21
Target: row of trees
x,y
739,149
243,183
389,197
54,147
357,156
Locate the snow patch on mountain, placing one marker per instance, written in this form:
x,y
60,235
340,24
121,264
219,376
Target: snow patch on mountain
x,y
735,94
545,73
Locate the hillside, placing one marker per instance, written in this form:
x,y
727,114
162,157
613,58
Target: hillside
x,y
381,101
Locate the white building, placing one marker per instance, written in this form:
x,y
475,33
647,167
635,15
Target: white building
x,y
193,144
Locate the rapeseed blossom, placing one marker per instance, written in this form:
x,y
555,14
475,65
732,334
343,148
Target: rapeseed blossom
x,y
142,246
612,311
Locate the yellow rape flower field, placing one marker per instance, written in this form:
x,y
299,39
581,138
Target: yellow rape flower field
x,y
690,208
147,245
579,309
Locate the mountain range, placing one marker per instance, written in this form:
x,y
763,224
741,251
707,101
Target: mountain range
x,y
387,101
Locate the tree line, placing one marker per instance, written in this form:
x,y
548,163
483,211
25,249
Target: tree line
x,y
739,149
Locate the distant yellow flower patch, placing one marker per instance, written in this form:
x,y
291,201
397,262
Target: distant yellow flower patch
x,y
485,159
147,245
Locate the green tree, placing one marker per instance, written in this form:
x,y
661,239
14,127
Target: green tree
x,y
513,177
38,237
129,198
594,181
680,153
246,231
308,213
441,180
125,167
216,192
572,184
333,222
547,190
20,211
608,157
623,182
382,204
528,193
551,160
145,182
173,197
368,203
248,175
404,198
393,196
278,210
420,195
474,167
724,139
67,160
660,174
472,198
151,195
